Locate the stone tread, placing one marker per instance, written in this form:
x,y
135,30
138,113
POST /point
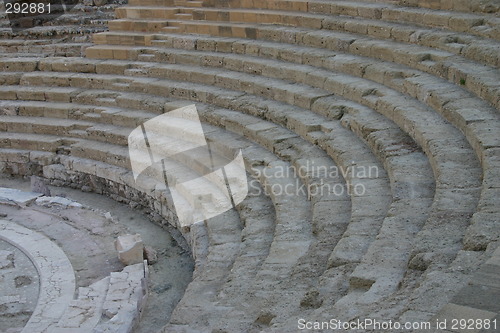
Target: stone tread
x,y
344,165
450,106
390,97
479,79
477,299
309,127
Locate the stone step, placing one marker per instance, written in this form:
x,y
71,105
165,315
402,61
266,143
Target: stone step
x,y
406,166
194,164
28,141
50,49
488,113
370,103
446,17
146,25
482,51
123,38
477,297
226,116
459,276
489,6
147,12
125,299
256,237
351,6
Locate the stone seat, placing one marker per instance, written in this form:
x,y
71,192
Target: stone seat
x,y
361,99
146,24
379,71
427,60
451,106
460,5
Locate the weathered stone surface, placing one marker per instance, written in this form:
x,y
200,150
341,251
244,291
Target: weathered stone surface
x,y
17,196
130,249
415,91
6,259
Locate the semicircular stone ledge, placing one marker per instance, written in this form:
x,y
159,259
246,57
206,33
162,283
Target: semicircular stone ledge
x,y
57,278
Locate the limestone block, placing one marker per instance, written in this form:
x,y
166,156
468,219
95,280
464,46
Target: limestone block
x,y
130,249
6,259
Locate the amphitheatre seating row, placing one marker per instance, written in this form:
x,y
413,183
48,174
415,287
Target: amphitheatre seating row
x,y
417,103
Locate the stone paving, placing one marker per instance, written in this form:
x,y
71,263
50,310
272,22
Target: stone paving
x,y
116,297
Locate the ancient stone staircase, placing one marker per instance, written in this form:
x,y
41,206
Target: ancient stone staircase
x,y
411,92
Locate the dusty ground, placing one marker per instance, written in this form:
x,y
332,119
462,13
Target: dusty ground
x,y
86,237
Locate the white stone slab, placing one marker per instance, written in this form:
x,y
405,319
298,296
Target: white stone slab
x,y
17,196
